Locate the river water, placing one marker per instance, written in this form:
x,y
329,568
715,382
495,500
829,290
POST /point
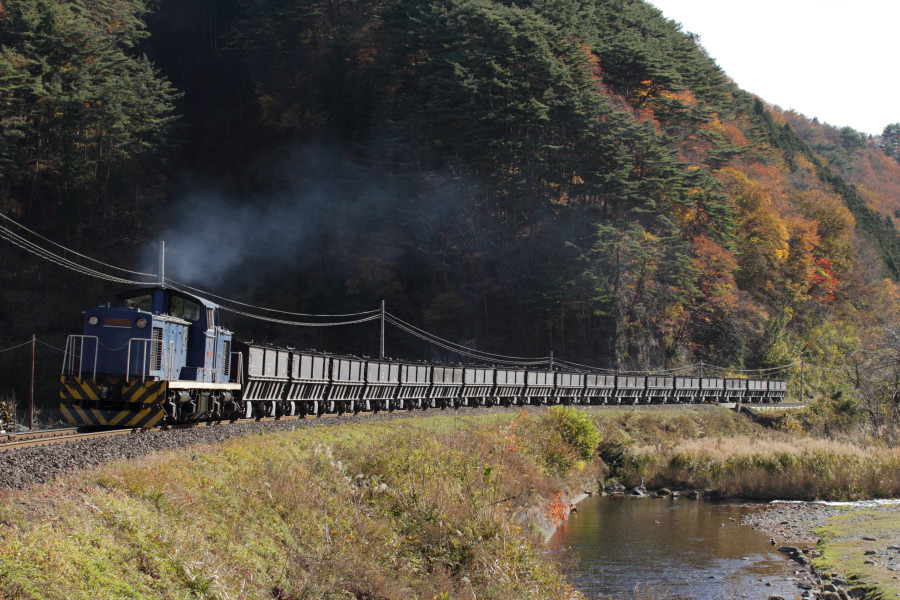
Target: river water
x,y
623,547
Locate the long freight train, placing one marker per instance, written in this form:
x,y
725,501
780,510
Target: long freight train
x,y
160,356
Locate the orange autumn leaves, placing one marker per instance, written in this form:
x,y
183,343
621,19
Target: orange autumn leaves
x,y
785,238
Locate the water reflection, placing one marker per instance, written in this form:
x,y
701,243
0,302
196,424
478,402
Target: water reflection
x,y
676,548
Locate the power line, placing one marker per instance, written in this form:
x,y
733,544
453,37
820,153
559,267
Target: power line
x,y
41,252
430,336
298,323
462,350
50,346
364,317
15,347
34,233
283,312
770,370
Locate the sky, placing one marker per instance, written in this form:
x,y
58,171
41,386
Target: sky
x,y
836,60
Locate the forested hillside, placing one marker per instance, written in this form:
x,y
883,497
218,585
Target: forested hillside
x,y
519,176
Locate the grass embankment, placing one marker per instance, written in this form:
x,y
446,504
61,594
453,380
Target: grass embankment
x,y
862,545
723,453
418,508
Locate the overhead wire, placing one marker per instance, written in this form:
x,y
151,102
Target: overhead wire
x,y
298,323
421,332
50,346
462,350
69,250
15,347
274,310
48,255
768,370
579,366
364,316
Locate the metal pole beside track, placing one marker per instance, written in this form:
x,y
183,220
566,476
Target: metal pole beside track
x,y
162,263
31,401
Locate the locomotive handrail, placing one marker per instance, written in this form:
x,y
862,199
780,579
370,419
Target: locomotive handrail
x,y
144,361
69,357
239,379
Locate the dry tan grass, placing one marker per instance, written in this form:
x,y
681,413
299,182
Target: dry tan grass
x,y
769,467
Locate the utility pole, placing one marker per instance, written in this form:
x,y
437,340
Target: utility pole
x,y
551,360
701,369
31,403
381,349
162,263
801,380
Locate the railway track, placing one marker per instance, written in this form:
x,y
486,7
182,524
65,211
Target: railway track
x,y
47,437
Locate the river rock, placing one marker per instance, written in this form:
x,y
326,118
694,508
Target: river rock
x,y
789,549
664,492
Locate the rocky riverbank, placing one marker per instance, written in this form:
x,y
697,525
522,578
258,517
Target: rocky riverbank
x,y
842,550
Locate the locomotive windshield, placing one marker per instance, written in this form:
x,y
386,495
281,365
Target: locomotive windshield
x,y
184,309
142,302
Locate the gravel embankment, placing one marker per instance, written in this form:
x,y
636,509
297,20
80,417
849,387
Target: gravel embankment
x,y
33,466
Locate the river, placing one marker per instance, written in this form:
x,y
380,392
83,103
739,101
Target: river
x,y
623,547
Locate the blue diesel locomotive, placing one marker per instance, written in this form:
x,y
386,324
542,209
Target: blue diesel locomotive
x,y
157,355
160,356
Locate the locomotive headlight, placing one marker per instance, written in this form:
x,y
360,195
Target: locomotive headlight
x,y
93,320
141,323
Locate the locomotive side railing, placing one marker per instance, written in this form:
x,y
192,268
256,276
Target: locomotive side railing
x,y
145,342
239,373
70,356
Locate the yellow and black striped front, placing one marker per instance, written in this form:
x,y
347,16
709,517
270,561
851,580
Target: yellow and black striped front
x,y
133,403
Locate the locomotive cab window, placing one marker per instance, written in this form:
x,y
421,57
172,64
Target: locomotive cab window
x,y
210,317
143,302
184,309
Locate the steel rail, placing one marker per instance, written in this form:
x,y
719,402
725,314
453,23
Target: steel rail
x,y
47,437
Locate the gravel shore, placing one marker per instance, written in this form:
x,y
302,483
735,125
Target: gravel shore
x,y
864,558
792,523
